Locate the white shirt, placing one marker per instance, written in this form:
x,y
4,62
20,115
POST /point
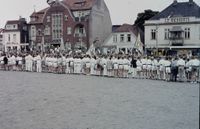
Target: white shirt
x,y
195,62
180,62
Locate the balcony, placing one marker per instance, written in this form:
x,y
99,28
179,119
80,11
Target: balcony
x,y
176,41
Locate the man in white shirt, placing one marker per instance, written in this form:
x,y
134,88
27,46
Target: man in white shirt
x,y
161,69
167,65
181,70
115,62
195,63
93,66
126,65
1,61
38,63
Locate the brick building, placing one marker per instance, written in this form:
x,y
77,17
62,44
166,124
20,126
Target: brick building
x,y
71,24
1,39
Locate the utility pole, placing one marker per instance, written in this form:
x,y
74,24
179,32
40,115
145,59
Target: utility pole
x,y
156,39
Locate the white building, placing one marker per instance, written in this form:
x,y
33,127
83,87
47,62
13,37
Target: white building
x,y
126,39
15,35
175,30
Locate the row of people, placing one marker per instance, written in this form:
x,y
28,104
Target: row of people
x,y
113,66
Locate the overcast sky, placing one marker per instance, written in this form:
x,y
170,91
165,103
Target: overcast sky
x,y
121,11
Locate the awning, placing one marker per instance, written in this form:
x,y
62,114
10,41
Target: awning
x,y
176,29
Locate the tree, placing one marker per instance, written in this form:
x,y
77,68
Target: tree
x,y
142,17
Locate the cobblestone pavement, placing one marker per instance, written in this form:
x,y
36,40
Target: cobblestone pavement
x,y
50,101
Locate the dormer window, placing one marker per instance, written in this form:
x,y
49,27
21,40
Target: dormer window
x,y
33,19
48,19
80,3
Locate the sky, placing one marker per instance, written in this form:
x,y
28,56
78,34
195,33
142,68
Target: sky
x,y
121,11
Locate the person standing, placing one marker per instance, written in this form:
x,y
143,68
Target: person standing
x,y
5,60
115,62
104,65
126,66
195,63
174,69
134,67
109,66
181,69
38,64
1,61
167,65
93,66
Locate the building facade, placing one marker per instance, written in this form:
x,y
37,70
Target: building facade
x,y
70,24
175,30
15,35
126,39
1,39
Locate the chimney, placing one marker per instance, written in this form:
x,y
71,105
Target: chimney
x,y
191,1
175,2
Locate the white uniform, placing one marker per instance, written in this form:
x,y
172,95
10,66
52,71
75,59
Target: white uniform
x,y
104,64
67,65
144,64
167,65
77,65
126,65
115,63
181,70
93,66
19,59
30,64
38,64
139,65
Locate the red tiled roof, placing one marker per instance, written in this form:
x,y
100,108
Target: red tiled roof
x,y
127,28
72,4
39,16
13,22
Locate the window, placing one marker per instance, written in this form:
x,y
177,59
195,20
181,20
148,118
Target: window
x,y
69,30
14,26
39,32
33,31
66,18
122,38
167,34
47,30
14,38
48,19
199,33
129,38
57,25
8,37
153,34
115,38
187,33
80,31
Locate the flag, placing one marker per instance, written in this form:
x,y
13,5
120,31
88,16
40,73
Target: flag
x,y
139,44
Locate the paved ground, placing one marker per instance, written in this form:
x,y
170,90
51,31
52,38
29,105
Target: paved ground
x,y
49,101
